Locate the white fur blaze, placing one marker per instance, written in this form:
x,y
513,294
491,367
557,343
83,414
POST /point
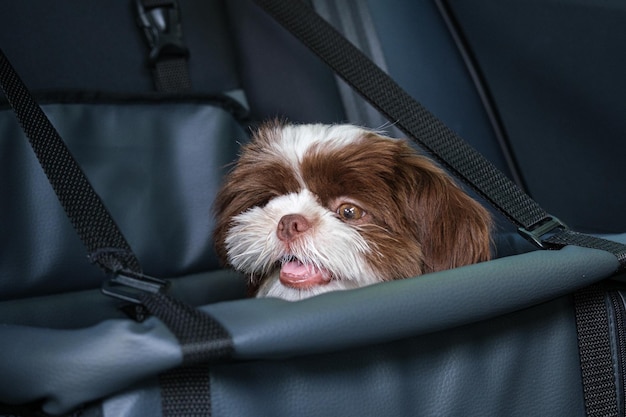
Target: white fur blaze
x,y
254,247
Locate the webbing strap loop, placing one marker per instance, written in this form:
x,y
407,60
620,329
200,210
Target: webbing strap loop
x,y
571,237
161,24
202,338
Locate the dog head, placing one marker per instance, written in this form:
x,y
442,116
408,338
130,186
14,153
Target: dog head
x,y
314,208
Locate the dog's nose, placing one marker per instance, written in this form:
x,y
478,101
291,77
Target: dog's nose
x,y
291,225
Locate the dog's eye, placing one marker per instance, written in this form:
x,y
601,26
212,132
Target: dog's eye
x,y
348,211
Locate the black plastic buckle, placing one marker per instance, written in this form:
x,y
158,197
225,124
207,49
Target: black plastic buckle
x,y
128,286
535,234
163,29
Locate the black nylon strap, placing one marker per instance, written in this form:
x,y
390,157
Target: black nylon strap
x,y
105,244
161,24
571,237
171,75
203,339
418,123
185,392
596,358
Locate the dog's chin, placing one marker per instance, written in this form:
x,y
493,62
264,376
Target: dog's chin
x,y
273,287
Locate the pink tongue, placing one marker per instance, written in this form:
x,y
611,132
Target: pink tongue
x,y
295,274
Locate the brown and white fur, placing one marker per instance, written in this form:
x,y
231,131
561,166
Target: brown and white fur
x,y
314,208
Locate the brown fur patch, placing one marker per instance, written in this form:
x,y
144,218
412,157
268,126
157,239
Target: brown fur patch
x,y
420,220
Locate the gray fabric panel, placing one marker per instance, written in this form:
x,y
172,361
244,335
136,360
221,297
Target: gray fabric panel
x,y
272,328
517,365
47,356
520,364
141,401
66,368
157,167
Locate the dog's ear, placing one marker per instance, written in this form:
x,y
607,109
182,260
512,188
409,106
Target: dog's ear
x,y
453,228
224,208
254,179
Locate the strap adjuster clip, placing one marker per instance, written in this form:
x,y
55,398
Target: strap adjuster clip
x,y
162,27
535,234
128,286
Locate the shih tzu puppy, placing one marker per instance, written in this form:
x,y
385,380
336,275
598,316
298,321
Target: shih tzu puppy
x,y
314,208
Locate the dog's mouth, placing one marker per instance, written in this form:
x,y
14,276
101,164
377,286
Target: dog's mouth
x,y
301,275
